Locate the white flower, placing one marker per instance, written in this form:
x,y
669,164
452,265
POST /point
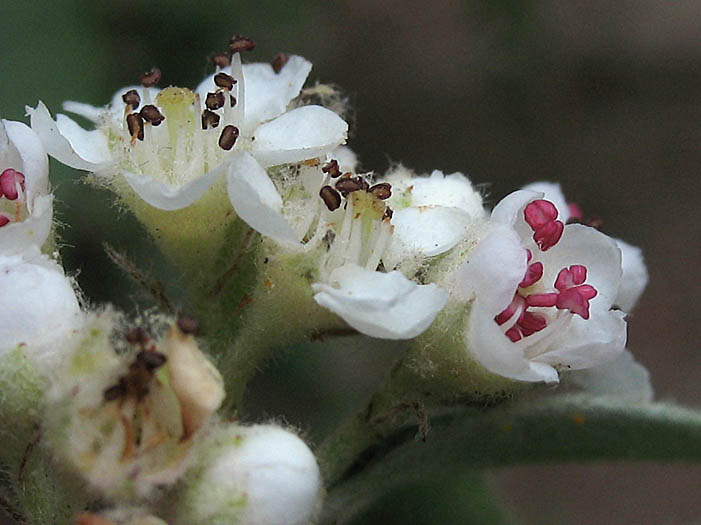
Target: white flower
x,y
25,203
431,214
38,307
345,219
252,475
542,293
172,145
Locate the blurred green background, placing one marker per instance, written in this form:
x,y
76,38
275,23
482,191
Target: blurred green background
x,y
602,96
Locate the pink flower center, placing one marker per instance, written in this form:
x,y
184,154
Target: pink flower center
x,y
11,189
541,216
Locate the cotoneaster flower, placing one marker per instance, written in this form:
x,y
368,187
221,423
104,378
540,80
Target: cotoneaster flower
x,y
542,293
25,203
171,145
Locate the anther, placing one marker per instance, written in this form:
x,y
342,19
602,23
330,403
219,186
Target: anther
x,y
331,168
220,60
279,62
214,100
331,197
115,392
151,78
239,43
135,123
348,184
151,360
388,213
209,119
225,81
382,191
228,137
151,114
9,180
137,336
4,221
188,325
132,98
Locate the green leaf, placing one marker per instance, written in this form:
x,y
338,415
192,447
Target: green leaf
x,y
559,429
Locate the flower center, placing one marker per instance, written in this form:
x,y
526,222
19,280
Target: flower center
x,y
570,295
13,201
171,139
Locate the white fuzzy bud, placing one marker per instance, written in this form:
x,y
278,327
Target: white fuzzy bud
x,y
253,475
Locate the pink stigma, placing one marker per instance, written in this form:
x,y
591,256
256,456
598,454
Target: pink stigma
x,y
11,183
541,216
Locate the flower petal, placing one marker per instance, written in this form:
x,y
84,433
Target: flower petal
x,y
167,197
622,377
256,200
487,343
35,163
426,231
67,142
454,190
92,113
383,305
551,192
18,237
303,133
634,277
509,209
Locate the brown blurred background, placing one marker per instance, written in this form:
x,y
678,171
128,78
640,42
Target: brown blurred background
x,y
601,96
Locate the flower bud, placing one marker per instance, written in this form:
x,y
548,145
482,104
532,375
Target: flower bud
x,y
252,475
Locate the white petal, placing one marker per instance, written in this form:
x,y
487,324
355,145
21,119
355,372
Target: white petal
x,y
256,200
508,210
88,111
454,190
552,192
589,247
303,133
18,237
90,150
35,163
428,230
487,343
383,305
37,306
167,197
634,278
493,271
585,343
622,377
346,158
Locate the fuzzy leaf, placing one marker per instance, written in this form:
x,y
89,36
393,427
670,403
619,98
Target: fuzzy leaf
x,y
560,429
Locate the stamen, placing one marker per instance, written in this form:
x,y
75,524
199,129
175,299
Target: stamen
x,y
209,119
549,235
132,98
348,184
331,169
221,61
225,81
228,137
542,299
188,325
137,336
331,197
151,360
541,216
567,278
382,191
135,123
11,184
388,213
239,43
214,100
4,220
576,300
152,115
533,274
279,61
151,78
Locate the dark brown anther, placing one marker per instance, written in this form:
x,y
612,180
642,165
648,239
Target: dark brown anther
x,y
152,115
239,43
188,325
331,197
225,81
135,123
132,98
228,137
232,100
220,60
214,100
279,62
209,119
382,191
137,336
388,213
331,168
151,78
151,361
348,184
115,392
